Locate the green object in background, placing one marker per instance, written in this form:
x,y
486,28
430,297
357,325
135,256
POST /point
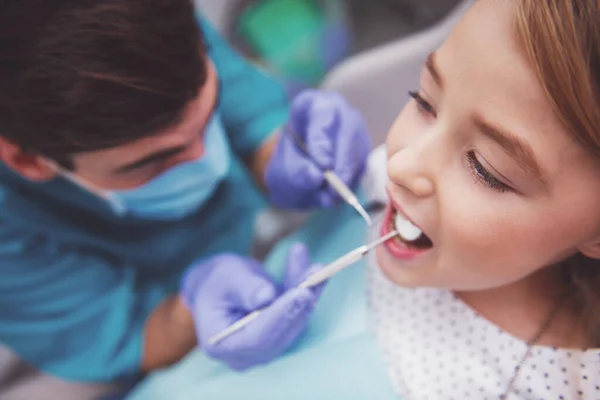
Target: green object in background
x,y
285,34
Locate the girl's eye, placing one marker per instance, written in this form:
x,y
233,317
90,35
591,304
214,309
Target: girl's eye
x,y
483,176
423,104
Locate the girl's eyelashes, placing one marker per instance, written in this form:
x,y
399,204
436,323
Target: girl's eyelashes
x,y
424,105
484,176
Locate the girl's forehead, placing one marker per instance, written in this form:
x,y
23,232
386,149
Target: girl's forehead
x,y
485,53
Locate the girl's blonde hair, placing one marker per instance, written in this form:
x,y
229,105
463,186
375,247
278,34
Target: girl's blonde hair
x,y
562,41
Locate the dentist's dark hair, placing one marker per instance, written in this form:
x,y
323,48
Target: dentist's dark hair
x,y
562,40
85,75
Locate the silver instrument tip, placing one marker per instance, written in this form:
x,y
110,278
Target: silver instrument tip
x,y
365,216
382,240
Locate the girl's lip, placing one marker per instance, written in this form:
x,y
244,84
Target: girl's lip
x,y
399,209
394,246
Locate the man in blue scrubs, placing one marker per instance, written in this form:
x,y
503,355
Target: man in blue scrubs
x,y
134,143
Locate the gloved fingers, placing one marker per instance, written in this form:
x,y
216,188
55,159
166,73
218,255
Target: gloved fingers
x,y
241,291
253,359
209,320
239,365
291,310
353,148
196,276
265,333
298,263
239,283
317,290
243,364
321,130
291,168
289,337
339,138
212,319
314,119
233,348
327,197
257,292
305,173
319,141
300,111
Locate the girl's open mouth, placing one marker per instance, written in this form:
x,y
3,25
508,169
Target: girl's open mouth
x,y
410,242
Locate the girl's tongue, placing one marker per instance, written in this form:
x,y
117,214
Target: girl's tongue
x,y
409,234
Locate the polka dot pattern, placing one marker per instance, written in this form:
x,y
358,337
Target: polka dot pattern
x,y
436,347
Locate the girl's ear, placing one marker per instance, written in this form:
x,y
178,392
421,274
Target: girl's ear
x,y
30,166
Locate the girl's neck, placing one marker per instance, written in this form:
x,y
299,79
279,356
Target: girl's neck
x,y
521,308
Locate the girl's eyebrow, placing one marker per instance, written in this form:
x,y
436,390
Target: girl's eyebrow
x,y
515,147
431,66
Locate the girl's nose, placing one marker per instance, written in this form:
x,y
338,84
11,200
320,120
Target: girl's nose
x,y
411,170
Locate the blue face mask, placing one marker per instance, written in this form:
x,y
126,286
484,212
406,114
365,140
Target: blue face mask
x,y
179,191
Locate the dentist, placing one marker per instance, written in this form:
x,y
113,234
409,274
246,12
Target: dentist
x,y
133,146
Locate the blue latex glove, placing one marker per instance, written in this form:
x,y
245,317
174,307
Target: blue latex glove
x,y
336,137
227,287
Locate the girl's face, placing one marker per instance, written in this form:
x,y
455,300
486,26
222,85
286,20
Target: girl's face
x,y
481,164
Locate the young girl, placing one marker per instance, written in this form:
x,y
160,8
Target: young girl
x,y
495,166
493,180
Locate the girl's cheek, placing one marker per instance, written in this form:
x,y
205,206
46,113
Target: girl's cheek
x,y
490,247
469,227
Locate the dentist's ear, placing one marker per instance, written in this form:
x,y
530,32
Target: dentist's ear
x,y
30,166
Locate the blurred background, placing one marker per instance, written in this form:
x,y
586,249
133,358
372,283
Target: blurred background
x,y
300,41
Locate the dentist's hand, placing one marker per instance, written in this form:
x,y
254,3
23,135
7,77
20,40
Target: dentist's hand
x,y
334,134
225,288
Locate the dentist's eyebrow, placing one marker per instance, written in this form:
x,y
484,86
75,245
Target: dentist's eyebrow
x,y
433,69
515,147
165,154
158,156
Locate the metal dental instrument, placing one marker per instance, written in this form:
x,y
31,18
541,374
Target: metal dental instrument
x,y
315,279
334,181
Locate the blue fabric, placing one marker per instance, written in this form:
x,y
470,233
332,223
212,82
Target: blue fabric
x,y
251,101
78,282
336,359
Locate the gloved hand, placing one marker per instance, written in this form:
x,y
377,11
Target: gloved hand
x,y
227,287
334,134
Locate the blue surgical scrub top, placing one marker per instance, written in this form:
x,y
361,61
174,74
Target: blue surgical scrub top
x,y
77,283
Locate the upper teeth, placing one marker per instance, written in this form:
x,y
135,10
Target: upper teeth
x,y
406,229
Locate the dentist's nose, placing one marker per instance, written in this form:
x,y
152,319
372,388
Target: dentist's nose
x,y
412,169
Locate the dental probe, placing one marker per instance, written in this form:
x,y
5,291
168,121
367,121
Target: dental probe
x,y
315,279
343,262
334,181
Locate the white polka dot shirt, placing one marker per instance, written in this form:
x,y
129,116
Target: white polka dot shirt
x,y
436,347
